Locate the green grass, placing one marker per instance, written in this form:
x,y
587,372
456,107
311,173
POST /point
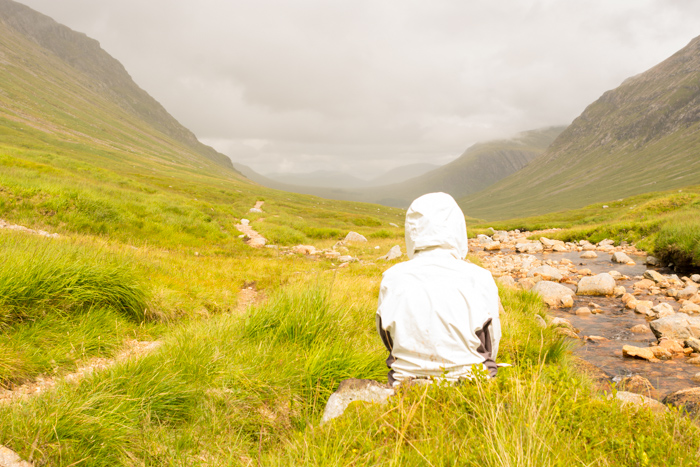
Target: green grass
x,y
232,389
41,276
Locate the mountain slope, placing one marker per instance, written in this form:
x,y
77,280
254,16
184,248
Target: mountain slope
x,y
478,167
642,136
30,38
403,173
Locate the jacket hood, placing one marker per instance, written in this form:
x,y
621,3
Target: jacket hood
x,y
436,221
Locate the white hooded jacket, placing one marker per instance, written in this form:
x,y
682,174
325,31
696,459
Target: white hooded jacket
x,y
437,314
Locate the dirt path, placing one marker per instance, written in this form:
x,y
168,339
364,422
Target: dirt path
x,y
254,239
20,228
132,349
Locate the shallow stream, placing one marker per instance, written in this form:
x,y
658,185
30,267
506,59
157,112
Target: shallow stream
x,y
614,323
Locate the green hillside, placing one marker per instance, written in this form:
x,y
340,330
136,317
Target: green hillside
x,y
642,136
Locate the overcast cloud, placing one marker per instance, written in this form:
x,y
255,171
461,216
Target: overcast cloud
x,y
367,85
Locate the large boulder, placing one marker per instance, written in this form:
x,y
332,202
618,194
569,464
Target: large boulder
x,y
678,326
554,294
688,399
547,273
600,284
352,390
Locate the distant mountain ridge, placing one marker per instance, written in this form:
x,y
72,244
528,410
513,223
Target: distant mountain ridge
x,y
479,166
106,76
642,136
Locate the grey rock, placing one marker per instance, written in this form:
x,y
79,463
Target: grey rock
x,y
693,343
688,399
346,259
552,293
695,278
352,390
687,292
655,276
547,273
245,221
662,310
678,326
394,253
9,458
606,242
530,247
483,239
506,281
600,284
652,261
255,210
620,257
589,255
638,400
354,237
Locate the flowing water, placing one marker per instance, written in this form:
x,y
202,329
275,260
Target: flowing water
x,y
614,323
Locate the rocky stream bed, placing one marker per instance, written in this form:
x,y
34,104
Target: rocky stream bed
x,y
628,316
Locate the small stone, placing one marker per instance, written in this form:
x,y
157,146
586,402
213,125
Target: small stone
x,y
619,291
547,273
693,361
695,278
506,281
654,276
696,377
638,352
600,284
687,292
9,458
661,353
626,298
563,323
588,255
689,399
643,284
352,390
583,311
640,329
394,253
638,385
354,237
526,283
305,249
346,259
651,261
554,294
585,272
566,332
596,339
639,400
693,343
672,345
620,257
662,310
492,246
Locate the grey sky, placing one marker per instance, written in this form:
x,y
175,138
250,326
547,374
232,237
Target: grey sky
x,y
367,85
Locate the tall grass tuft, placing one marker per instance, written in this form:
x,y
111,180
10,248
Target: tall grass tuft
x,y
41,276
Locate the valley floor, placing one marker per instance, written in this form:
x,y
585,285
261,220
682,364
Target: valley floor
x,y
249,350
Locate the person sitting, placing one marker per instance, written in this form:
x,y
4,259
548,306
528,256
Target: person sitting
x,y
438,315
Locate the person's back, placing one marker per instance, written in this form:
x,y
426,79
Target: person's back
x,y
437,314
